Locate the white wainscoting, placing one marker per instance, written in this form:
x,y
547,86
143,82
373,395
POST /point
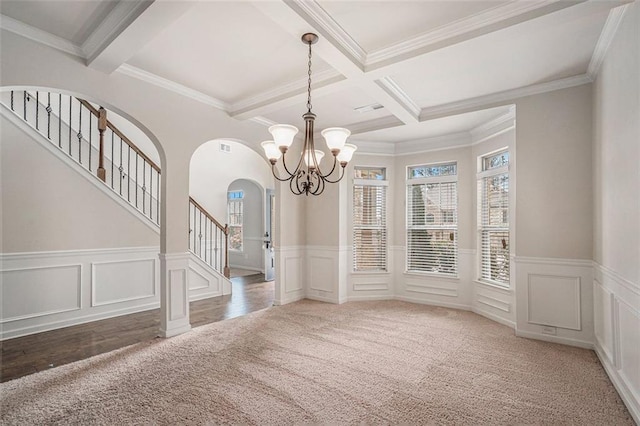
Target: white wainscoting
x,y
369,285
451,292
617,333
205,282
554,300
49,290
289,284
325,278
494,302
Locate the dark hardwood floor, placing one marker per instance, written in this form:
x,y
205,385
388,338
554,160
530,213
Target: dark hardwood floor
x,y
29,354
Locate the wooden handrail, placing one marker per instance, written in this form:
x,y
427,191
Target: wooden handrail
x,y
121,135
223,228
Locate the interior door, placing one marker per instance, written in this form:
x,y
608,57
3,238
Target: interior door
x,y
269,256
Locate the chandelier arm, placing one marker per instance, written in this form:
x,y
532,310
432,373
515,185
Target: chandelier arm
x,y
297,190
337,180
297,169
324,176
273,171
320,187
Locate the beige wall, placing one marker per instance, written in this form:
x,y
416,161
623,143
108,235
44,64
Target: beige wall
x,y
616,147
47,206
553,148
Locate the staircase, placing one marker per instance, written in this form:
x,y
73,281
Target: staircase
x,y
83,132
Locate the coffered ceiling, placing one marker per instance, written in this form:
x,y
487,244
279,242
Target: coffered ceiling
x,y
421,63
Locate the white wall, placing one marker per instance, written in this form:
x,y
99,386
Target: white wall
x,y
252,254
616,225
212,171
47,205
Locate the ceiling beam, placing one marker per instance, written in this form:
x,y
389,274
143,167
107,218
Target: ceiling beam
x,y
335,47
370,71
127,29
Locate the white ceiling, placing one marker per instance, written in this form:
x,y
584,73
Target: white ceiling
x,y
413,57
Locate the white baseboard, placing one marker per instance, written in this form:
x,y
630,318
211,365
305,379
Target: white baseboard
x,y
555,339
632,404
432,303
494,317
369,298
286,301
54,325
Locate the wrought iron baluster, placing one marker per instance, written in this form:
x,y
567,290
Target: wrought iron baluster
x,y
60,120
49,115
90,145
112,157
144,187
200,236
12,101
157,198
129,173
79,135
37,109
70,108
136,180
24,103
120,168
194,228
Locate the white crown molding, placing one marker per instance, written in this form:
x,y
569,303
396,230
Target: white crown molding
x,y
262,121
494,127
392,87
122,15
502,97
322,19
322,78
604,41
374,148
437,143
42,37
454,29
375,124
156,80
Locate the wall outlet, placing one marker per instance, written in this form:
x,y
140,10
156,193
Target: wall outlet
x,y
547,329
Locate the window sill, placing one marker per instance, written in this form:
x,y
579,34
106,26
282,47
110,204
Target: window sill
x,y
432,275
370,273
494,285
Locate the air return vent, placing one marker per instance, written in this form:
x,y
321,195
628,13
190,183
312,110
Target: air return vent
x,y
225,147
367,108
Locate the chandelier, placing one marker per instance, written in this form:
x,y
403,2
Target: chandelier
x,y
307,178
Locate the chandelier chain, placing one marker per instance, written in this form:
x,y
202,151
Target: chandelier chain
x,y
309,82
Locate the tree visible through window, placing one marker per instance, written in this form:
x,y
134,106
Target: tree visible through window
x,y
493,218
235,212
432,219
370,220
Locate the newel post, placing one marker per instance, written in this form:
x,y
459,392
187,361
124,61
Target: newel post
x,y
102,126
227,270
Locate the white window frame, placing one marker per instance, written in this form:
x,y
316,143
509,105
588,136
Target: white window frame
x,y
481,176
383,227
410,182
239,201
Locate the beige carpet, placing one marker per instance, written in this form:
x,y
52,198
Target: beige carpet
x,y
315,363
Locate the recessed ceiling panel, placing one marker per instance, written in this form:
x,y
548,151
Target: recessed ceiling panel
x,y
73,21
333,110
544,49
433,128
378,24
228,50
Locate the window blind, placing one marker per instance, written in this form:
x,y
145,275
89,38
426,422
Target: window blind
x,y
432,227
493,195
369,228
